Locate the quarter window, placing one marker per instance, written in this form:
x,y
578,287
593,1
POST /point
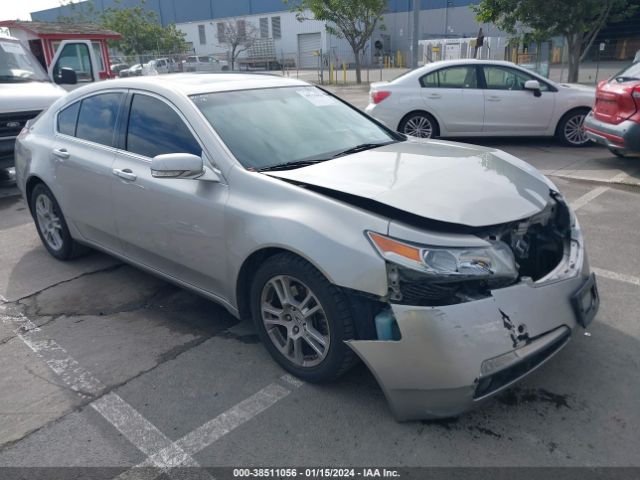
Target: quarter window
x,y
68,118
97,118
156,129
504,78
453,77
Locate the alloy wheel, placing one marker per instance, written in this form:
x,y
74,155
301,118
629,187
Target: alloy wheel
x,y
418,126
49,222
295,321
574,131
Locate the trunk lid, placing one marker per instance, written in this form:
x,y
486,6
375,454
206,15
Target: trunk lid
x,y
616,101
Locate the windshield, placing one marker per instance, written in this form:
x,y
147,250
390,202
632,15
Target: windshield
x,y
18,65
629,73
276,126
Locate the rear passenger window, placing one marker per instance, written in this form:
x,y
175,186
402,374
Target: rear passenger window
x,y
453,77
156,129
97,118
68,118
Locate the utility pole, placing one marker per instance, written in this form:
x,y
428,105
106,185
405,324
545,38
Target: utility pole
x,y
416,28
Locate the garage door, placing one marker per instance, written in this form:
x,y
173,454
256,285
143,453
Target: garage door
x,y
308,44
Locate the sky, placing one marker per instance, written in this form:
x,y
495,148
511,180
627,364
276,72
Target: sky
x,y
20,9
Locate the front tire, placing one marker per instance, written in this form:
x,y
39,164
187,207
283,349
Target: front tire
x,y
571,130
419,124
303,320
51,225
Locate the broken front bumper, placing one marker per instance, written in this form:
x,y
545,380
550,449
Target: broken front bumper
x,y
450,358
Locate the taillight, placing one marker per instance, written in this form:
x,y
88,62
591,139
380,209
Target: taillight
x,y
636,96
379,95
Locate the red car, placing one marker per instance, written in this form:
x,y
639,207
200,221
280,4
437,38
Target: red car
x,y
615,119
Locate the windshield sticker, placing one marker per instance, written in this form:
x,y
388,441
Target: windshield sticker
x,y
317,97
10,47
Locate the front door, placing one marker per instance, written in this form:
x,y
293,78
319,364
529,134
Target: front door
x,y
173,225
453,96
76,55
512,110
82,156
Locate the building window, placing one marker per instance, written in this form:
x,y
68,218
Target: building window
x,y
264,27
221,36
275,27
202,34
241,26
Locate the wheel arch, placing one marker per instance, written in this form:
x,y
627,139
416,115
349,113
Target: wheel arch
x,y
565,114
251,264
438,125
31,183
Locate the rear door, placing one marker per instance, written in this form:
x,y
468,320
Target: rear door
x,y
82,156
173,225
76,55
512,110
453,96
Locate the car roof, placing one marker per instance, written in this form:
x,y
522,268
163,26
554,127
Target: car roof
x,y
195,83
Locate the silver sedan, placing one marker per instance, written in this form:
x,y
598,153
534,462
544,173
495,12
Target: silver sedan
x,y
451,270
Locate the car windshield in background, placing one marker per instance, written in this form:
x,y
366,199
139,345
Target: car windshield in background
x,y
628,74
17,65
287,126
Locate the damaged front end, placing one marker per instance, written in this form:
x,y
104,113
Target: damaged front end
x,y
463,322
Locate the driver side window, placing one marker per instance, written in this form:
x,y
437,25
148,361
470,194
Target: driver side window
x,y
76,57
504,78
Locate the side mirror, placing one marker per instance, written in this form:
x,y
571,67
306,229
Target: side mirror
x,y
68,76
177,165
534,86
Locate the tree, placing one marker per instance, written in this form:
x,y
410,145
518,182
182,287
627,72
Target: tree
x,y
578,21
353,20
141,32
238,35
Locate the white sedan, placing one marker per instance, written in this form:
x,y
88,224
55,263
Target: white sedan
x,y
473,98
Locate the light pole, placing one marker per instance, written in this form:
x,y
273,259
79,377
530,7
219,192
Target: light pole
x,y
416,28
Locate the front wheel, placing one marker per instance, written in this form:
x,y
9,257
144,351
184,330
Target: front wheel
x,y
419,124
303,320
571,130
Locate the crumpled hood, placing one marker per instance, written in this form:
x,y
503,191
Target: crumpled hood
x,y
23,97
438,180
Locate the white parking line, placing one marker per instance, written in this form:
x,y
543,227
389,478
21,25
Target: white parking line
x,y
212,431
621,277
587,197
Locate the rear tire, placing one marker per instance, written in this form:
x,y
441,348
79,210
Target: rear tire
x,y
303,320
419,124
51,225
570,129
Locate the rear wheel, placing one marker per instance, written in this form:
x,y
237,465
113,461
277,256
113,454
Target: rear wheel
x,y
419,124
52,226
303,320
571,130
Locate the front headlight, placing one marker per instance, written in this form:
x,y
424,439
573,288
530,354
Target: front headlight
x,y
449,264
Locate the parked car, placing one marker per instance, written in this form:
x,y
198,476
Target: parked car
x,y
161,65
473,98
25,91
134,71
615,119
204,63
116,68
451,270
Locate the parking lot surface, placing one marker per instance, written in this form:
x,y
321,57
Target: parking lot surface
x,y
104,365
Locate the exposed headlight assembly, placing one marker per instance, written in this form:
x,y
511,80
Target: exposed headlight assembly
x,y
449,264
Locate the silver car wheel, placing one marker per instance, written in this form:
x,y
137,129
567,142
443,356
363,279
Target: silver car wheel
x,y
295,321
48,222
574,131
418,126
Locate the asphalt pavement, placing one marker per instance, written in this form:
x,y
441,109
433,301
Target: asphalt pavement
x,y
106,366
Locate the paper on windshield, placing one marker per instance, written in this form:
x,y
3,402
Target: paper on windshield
x,y
317,97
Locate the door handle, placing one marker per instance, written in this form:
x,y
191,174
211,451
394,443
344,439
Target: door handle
x,y
126,173
493,99
61,153
434,95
